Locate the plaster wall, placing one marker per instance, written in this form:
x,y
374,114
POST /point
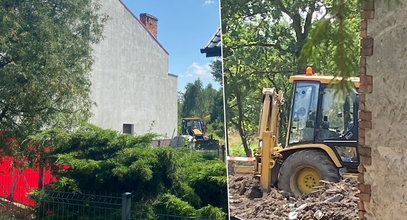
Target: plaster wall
x,y
130,80
388,103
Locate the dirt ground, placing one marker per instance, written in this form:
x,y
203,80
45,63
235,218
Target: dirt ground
x,y
331,201
15,211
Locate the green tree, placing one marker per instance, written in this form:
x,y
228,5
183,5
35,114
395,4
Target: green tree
x,y
333,44
206,103
45,60
217,120
262,46
217,72
191,99
198,101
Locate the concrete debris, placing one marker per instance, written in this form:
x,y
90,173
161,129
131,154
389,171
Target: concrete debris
x,y
301,207
335,198
318,214
329,201
292,215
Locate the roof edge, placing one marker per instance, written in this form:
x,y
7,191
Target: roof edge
x,y
155,39
213,36
173,75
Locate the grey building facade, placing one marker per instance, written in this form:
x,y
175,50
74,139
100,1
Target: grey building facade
x,y
133,91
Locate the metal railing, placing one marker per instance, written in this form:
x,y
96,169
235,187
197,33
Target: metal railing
x,y
137,215
59,205
70,205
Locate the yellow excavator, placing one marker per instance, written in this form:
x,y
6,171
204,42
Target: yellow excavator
x,y
194,127
192,134
322,136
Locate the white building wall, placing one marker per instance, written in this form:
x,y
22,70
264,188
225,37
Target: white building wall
x,y
130,80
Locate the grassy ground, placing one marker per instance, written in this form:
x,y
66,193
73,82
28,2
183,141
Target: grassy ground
x,y
236,146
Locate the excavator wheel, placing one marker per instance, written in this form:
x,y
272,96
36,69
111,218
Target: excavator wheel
x,y
303,170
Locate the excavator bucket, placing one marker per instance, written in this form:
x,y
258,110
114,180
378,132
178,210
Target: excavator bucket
x,y
209,144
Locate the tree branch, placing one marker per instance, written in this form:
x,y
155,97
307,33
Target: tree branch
x,y
308,20
283,8
251,45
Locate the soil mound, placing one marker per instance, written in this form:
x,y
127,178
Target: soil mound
x,y
330,201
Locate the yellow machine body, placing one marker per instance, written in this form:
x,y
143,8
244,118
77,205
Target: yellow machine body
x,y
325,79
197,132
269,151
195,127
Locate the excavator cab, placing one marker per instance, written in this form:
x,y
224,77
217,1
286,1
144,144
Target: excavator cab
x,y
320,115
322,135
193,127
192,132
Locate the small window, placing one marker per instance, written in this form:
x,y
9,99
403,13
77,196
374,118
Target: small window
x,y
128,128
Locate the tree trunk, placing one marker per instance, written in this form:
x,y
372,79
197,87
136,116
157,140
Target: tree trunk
x,y
247,150
240,126
225,122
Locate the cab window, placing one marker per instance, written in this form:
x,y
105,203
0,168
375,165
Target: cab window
x,y
304,112
337,115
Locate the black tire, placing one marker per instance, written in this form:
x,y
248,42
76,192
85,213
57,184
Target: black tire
x,y
312,158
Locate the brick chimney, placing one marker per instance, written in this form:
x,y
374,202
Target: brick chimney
x,y
150,22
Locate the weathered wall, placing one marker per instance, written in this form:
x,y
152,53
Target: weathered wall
x,y
387,102
130,80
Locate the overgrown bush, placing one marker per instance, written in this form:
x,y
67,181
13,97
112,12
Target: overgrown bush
x,y
171,180
172,205
211,212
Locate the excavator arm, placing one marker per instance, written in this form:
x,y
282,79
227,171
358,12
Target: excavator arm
x,y
267,152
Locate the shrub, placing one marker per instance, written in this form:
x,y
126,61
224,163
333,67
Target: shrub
x,y
211,212
172,205
102,160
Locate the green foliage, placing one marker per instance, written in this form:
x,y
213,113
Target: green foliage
x,y
261,47
217,72
206,177
198,101
264,42
333,43
45,60
102,160
205,103
211,212
172,205
192,105
97,158
238,150
208,180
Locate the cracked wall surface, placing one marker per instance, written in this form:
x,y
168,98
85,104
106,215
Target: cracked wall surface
x,y
387,102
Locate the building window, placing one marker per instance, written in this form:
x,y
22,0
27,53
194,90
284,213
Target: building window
x,y
128,128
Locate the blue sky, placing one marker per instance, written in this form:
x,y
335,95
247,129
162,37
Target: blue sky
x,y
184,27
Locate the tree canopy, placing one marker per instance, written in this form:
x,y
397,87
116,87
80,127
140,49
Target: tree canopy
x,y
45,61
204,102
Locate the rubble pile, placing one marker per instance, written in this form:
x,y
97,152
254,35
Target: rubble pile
x,y
330,201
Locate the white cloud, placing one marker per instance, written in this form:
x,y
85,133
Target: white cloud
x,y
185,75
208,2
198,70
